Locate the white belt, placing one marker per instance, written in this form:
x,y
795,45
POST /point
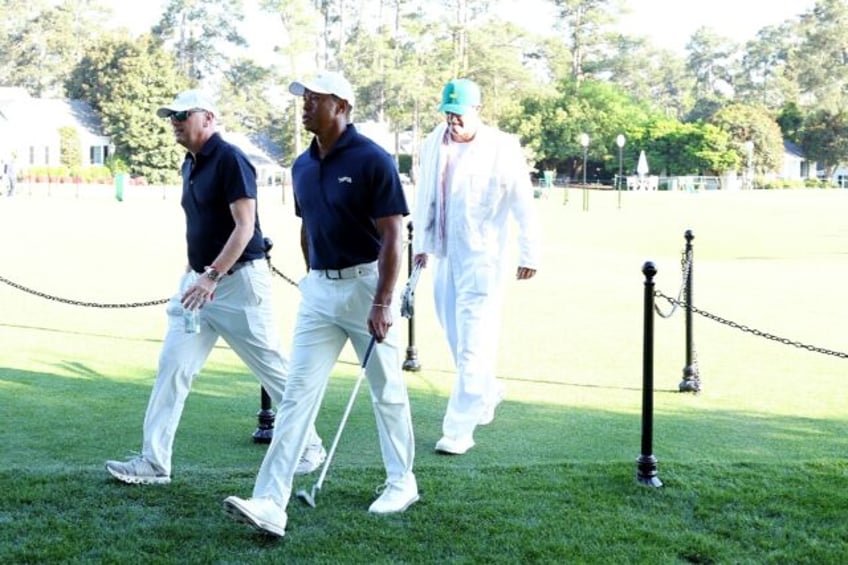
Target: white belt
x,y
354,272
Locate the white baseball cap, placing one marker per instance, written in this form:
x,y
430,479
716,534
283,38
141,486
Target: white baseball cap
x,y
325,82
188,100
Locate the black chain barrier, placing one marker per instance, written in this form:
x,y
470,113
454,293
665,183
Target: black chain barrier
x,y
280,274
753,331
685,267
114,304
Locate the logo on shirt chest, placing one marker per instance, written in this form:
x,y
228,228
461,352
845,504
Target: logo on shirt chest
x,y
348,180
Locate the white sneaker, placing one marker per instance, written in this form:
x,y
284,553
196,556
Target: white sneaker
x,y
489,411
137,471
311,459
454,446
395,496
261,513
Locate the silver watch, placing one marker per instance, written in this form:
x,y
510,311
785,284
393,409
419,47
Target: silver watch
x,y
212,274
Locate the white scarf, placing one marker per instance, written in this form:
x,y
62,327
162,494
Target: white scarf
x,y
429,216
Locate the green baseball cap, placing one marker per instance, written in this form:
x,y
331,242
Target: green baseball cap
x,y
459,95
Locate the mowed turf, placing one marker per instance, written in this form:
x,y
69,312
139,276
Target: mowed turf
x,y
754,466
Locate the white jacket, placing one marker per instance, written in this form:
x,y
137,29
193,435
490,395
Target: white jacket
x,y
491,182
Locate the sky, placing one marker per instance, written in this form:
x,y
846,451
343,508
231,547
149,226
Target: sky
x,y
668,23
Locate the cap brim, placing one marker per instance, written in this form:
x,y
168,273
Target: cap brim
x,y
298,88
458,109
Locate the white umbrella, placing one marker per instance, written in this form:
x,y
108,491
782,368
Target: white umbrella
x,y
642,166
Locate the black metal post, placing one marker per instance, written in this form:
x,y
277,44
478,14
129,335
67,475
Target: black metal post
x,y
618,184
585,190
646,464
691,379
411,362
265,429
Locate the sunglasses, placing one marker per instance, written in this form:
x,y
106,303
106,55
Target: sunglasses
x,y
183,116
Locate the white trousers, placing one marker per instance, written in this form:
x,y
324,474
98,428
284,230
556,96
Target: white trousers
x,y
241,313
468,300
331,312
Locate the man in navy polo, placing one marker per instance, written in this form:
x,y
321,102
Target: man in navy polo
x,y
226,289
349,197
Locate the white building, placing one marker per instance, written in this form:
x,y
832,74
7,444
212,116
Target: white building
x,y
30,129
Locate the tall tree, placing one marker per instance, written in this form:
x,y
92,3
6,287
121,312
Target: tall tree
x,y
825,138
243,102
754,123
125,80
710,59
300,24
460,15
766,75
584,24
650,74
822,56
202,34
41,42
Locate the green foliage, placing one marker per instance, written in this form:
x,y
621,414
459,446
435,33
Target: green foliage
x,y
819,58
675,148
200,35
126,80
42,41
710,61
550,125
791,122
243,104
825,137
766,75
650,75
116,164
70,152
66,174
746,123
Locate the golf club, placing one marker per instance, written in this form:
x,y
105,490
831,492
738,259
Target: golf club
x,y
407,305
309,497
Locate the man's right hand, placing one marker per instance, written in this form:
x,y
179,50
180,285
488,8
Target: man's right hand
x,y
420,259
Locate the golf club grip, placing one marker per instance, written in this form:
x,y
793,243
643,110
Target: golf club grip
x,y
346,413
368,351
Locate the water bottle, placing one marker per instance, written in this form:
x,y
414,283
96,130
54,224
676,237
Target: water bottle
x,y
191,320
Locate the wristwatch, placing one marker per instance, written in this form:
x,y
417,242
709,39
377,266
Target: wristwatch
x,y
212,274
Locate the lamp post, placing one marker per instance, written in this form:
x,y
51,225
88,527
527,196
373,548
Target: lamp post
x,y
584,142
620,140
749,150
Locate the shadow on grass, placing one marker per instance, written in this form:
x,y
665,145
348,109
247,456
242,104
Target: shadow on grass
x,y
83,419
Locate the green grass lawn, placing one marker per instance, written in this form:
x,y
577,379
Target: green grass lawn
x,y
754,467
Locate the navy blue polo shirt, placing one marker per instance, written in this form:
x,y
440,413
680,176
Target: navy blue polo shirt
x,y
340,196
217,176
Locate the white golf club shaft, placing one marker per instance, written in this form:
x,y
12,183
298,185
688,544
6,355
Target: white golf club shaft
x,y
347,410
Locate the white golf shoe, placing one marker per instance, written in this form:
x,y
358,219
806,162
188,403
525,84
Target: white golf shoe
x,y
262,513
395,496
311,459
454,446
137,471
